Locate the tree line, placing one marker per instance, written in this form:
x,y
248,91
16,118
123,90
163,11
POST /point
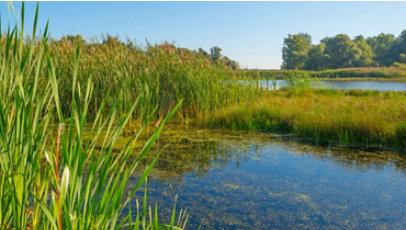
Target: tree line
x,y
341,51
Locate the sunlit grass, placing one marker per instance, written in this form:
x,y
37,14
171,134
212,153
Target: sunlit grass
x,y
350,117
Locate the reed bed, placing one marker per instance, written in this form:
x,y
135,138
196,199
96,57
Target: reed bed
x,y
50,176
160,74
350,117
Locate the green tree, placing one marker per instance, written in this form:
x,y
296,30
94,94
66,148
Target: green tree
x,y
380,45
316,60
215,53
397,48
231,63
366,52
295,49
341,52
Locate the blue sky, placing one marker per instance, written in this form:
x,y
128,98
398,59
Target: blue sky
x,y
250,32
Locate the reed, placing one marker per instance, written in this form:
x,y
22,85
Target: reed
x,y
50,176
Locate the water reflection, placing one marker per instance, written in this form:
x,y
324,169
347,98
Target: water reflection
x,y
341,84
237,180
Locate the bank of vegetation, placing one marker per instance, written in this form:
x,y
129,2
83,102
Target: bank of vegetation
x,y
349,117
392,73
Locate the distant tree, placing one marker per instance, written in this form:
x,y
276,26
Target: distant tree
x,y
366,52
295,49
341,52
316,60
380,45
402,58
231,63
215,53
73,38
397,48
203,52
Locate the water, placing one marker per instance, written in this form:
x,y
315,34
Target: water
x,y
342,84
237,180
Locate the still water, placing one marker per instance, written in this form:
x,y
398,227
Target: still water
x,y
237,180
342,84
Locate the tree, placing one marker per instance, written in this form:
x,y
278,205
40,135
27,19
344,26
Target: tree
x,y
215,53
397,48
341,52
316,60
203,52
231,63
366,52
380,45
295,49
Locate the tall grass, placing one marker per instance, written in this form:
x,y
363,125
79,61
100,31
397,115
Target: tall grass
x,y
163,73
349,117
50,177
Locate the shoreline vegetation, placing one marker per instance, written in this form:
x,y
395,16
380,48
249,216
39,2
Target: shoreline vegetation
x,y
349,117
52,177
393,73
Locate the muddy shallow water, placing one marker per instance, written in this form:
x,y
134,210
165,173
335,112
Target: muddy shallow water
x,y
238,180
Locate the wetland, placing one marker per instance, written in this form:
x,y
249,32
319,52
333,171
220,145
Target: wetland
x,y
246,180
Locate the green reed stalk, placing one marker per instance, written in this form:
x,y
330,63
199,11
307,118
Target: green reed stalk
x,y
59,180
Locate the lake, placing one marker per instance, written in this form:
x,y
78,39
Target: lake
x,y
240,180
342,84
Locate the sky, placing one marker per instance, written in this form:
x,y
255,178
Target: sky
x,y
251,33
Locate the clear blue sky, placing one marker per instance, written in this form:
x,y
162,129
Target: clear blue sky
x,y
250,32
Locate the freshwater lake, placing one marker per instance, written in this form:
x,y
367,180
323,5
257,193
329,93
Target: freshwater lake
x,y
240,180
341,84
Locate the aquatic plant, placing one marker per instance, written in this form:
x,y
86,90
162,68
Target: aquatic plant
x,y
50,176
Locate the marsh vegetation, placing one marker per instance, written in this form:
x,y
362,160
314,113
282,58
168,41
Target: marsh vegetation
x,y
80,125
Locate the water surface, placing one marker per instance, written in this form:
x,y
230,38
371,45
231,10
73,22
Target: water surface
x,y
342,84
237,180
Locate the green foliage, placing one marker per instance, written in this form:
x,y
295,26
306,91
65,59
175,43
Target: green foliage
x,y
294,51
342,52
380,45
299,80
215,53
51,177
366,52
